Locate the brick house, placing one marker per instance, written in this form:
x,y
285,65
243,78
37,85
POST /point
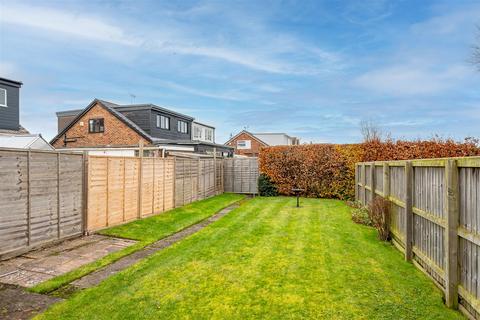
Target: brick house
x,y
103,124
249,144
99,125
246,144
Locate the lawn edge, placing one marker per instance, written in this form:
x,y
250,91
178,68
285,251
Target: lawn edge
x,y
60,281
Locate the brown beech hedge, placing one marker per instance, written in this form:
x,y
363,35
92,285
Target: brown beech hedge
x,y
328,170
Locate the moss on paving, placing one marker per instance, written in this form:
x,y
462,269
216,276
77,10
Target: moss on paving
x,y
146,231
268,259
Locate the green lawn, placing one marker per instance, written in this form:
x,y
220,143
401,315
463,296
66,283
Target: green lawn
x,y
268,259
146,231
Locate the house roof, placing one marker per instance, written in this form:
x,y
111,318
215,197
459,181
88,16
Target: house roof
x,y
273,134
130,107
22,141
250,134
20,130
111,107
14,83
148,106
203,124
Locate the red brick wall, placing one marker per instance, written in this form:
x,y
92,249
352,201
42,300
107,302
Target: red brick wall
x,y
255,145
116,132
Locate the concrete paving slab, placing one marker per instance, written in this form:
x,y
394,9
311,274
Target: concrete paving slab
x,y
37,266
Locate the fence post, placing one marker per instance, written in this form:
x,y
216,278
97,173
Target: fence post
x,y
140,179
153,186
58,195
357,180
364,182
408,210
29,199
386,180
106,212
215,170
124,187
372,179
86,186
451,237
174,182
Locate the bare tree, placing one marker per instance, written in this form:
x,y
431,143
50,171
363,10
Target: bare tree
x,y
370,131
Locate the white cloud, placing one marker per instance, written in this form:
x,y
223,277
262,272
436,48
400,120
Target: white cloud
x,y
171,38
88,27
226,95
412,79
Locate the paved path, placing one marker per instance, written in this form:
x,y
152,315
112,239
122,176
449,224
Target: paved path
x,y
98,276
16,303
40,265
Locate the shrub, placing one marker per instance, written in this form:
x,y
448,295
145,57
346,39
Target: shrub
x,y
266,187
328,170
361,216
379,211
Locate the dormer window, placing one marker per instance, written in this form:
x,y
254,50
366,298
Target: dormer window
x,y
96,125
3,97
182,126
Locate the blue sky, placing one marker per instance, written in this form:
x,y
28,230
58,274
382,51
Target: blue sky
x,y
313,69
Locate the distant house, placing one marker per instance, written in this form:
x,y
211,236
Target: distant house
x,y
203,132
24,141
249,144
104,124
12,134
10,107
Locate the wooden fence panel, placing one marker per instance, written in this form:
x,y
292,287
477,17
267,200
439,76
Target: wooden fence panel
x,y
444,204
41,199
116,187
131,190
379,179
13,200
147,187
71,195
115,193
241,175
97,193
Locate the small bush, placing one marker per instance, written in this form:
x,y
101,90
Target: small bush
x,y
266,187
361,216
379,210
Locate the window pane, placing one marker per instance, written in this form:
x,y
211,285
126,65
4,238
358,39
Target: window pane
x,y
3,97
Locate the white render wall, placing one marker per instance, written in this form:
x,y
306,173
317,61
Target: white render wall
x,y
275,139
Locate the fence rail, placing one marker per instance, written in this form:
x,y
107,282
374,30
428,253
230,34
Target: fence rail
x,y
435,207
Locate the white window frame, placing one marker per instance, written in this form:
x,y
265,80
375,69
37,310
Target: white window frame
x,y
2,104
182,126
209,134
163,122
197,132
244,144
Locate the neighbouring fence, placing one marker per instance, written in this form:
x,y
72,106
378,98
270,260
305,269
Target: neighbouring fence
x,y
121,189
435,207
241,175
197,179
46,196
41,198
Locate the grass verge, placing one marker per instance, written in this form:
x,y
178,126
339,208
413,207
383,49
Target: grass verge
x,y
145,231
